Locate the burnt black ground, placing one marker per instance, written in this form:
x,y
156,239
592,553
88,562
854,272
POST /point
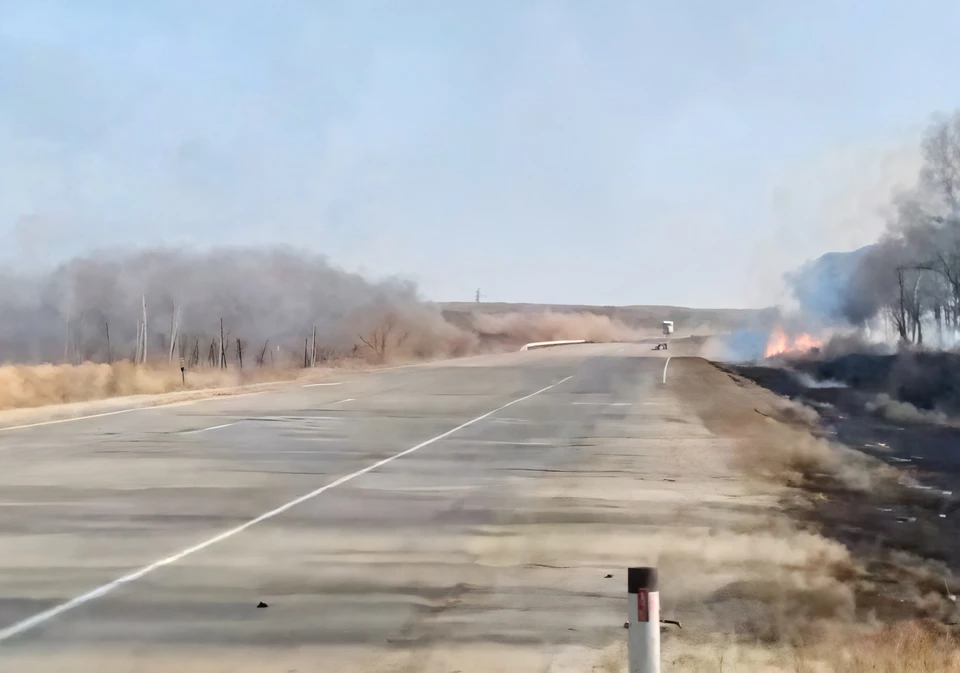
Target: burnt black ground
x,y
893,515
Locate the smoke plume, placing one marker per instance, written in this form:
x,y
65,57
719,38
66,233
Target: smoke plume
x,y
274,294
911,276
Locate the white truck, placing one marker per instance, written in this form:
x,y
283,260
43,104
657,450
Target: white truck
x,y
667,332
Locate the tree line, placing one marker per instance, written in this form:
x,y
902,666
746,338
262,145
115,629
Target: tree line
x,y
911,277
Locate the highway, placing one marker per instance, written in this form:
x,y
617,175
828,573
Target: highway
x,y
445,517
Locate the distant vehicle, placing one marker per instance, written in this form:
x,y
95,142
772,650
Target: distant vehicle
x,y
667,331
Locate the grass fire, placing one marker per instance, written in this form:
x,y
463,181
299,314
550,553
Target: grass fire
x,y
781,343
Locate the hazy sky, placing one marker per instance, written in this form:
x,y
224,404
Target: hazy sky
x,y
581,152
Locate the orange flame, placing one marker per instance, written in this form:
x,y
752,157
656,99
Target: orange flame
x,y
779,343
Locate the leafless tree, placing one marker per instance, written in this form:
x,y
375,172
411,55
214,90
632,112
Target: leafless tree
x,y
384,336
240,346
174,331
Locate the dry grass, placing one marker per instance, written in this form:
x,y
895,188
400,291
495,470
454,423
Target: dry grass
x,y
814,606
24,386
520,328
415,334
918,646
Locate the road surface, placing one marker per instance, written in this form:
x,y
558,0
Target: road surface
x,y
449,517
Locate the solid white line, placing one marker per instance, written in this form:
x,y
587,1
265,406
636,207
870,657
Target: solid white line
x,y
665,365
215,427
47,615
317,385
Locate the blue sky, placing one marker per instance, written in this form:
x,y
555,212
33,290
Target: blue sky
x,y
576,152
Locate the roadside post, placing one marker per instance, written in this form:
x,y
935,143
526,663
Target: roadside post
x,y
643,626
183,373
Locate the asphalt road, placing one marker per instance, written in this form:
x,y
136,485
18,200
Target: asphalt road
x,y
365,514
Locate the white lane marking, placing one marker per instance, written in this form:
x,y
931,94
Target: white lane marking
x,y
665,365
127,411
215,427
504,442
41,617
425,489
270,452
349,399
317,385
73,418
414,364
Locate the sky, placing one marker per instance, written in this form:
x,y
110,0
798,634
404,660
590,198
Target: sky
x,y
598,152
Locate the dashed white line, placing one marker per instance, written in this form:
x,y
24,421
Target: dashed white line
x,y
665,365
349,399
215,427
317,385
45,616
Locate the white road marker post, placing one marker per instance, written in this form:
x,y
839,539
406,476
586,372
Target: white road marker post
x,y
643,612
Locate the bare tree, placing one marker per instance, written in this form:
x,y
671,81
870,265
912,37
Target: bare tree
x,y
240,346
222,353
174,330
384,336
898,314
263,353
143,351
940,175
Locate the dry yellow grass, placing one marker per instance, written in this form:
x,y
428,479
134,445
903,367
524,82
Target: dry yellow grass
x,y
915,646
24,386
811,617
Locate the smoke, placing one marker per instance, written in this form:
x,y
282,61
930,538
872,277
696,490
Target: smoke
x,y
547,326
902,412
273,293
911,276
87,309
